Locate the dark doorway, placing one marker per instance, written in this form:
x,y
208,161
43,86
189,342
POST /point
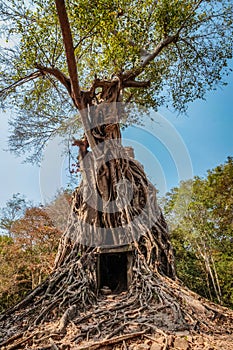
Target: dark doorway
x,y
112,271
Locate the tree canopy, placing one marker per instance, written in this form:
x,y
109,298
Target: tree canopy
x,y
165,53
28,245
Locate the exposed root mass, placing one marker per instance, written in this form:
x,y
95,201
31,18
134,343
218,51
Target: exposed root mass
x,y
60,317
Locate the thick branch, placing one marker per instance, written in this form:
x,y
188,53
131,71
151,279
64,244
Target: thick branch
x,y
102,83
69,49
136,84
64,80
125,84
72,68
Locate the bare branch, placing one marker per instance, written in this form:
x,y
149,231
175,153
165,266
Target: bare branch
x,y
197,53
20,82
189,16
88,35
69,49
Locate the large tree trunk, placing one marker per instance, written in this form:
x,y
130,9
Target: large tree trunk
x,y
115,206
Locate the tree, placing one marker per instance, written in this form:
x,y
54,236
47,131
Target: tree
x,y
144,52
199,216
14,209
37,237
12,274
27,254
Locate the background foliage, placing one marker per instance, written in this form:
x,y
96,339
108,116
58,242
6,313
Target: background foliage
x,y
28,247
199,213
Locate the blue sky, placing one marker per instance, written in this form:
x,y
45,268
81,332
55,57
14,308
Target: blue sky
x,y
177,147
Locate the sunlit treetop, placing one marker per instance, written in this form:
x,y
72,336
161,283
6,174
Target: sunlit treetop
x,y
177,49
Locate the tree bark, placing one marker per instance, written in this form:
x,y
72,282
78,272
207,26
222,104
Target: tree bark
x,y
115,204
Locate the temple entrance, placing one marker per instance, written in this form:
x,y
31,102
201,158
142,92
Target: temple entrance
x,y
114,270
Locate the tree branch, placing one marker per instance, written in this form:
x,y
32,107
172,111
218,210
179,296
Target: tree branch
x,y
102,84
197,53
189,16
133,73
136,84
57,74
20,82
69,50
125,84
